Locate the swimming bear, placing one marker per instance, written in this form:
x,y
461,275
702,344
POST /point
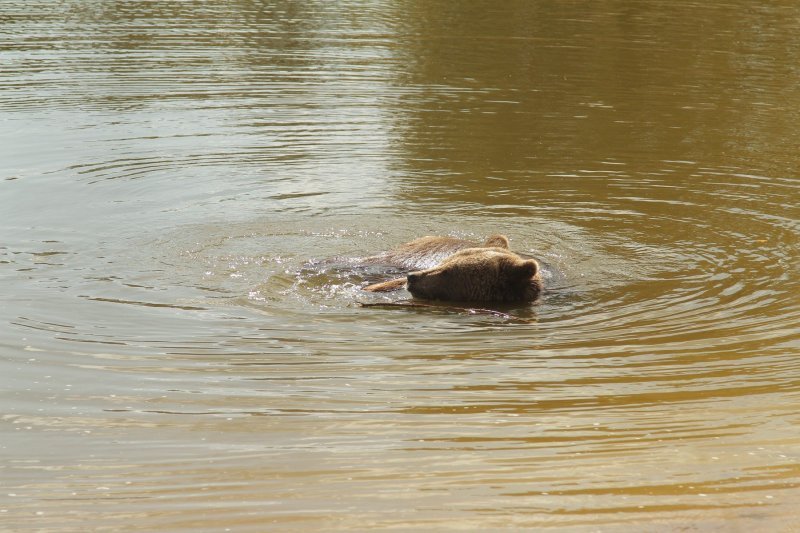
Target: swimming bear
x,y
458,270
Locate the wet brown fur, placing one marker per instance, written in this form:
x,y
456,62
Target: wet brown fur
x,y
427,252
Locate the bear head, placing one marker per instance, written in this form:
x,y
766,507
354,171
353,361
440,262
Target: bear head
x,y
479,275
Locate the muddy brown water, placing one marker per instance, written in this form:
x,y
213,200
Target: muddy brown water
x,y
169,361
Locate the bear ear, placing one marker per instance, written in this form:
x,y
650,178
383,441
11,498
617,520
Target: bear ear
x,y
497,241
528,268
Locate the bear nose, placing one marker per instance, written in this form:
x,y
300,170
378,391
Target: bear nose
x,y
412,277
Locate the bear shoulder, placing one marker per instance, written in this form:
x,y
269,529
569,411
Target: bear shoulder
x,y
429,251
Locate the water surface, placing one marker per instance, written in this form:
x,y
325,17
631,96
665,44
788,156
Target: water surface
x,y
169,361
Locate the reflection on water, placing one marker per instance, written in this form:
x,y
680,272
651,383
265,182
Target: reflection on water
x,y
171,360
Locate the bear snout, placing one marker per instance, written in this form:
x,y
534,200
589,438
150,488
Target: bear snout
x,y
417,285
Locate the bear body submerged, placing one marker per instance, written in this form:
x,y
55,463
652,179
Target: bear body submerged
x,y
427,252
457,270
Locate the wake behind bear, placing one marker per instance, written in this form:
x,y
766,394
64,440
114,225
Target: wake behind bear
x,y
450,269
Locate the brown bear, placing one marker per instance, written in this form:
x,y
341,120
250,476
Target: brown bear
x,y
476,274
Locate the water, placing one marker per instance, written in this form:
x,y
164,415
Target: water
x,y
170,362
